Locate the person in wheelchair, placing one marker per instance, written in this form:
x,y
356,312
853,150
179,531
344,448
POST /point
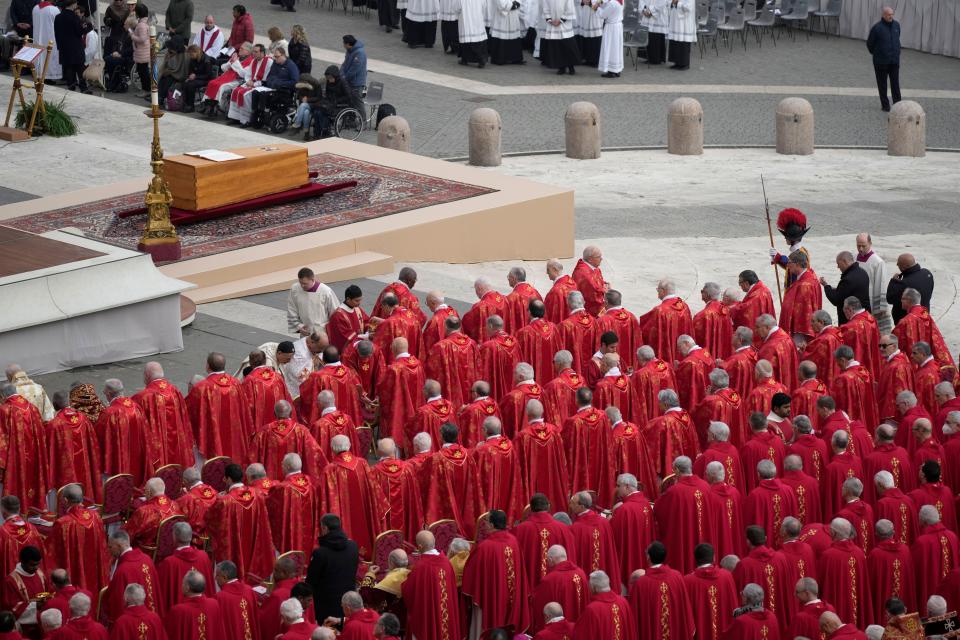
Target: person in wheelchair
x,y
309,96
337,96
118,60
199,73
283,77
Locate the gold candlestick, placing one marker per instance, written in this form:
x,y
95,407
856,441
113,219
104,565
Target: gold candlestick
x,y
159,237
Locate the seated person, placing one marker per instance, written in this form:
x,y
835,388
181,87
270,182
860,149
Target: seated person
x,y
173,71
283,76
219,89
252,77
199,73
337,96
309,94
118,58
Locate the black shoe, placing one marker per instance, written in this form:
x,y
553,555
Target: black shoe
x,y
481,65
562,71
572,71
885,108
428,46
291,10
608,74
389,29
188,109
245,125
72,87
86,91
462,61
410,45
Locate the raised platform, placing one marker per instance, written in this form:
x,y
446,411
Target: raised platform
x,y
405,208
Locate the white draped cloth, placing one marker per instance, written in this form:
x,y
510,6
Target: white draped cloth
x,y
611,47
504,23
683,21
659,20
449,10
210,41
879,274
589,24
241,98
43,16
471,21
563,10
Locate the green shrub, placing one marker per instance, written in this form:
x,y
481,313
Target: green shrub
x,y
57,122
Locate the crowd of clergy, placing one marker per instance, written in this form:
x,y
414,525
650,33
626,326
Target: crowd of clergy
x,y
543,466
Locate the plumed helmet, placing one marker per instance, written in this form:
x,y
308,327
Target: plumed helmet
x,y
792,223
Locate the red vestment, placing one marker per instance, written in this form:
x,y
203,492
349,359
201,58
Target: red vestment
x,y
762,445
126,442
614,390
726,406
896,375
513,407
802,556
848,632
800,300
543,462
761,397
844,581
402,323
779,350
861,334
727,509
450,488
940,496
757,302
625,325
588,446
693,377
430,596
949,588
887,456
934,554
212,92
813,451
930,449
659,603
454,362
727,454
83,628
304,630
294,509
803,400
648,382
633,531
329,425
137,623
536,535
632,456
754,625
498,465
859,514
843,466
269,615
275,440
539,341
398,481
817,535
807,621
436,329
566,584
806,491
198,618
339,379
357,626
940,419
590,282
168,421
264,387
400,393
607,616
515,307
776,575
493,576
918,326
594,545
852,390
347,489
345,324
73,453
370,370
767,505
220,415
238,607
669,436
78,545
560,396
194,505
172,569
475,320
407,300
663,324
133,566
891,572
578,335
713,329
470,420
19,589
713,597
143,525
684,519
819,351
498,357
740,368
861,442
15,534
899,509
925,378
556,300
239,529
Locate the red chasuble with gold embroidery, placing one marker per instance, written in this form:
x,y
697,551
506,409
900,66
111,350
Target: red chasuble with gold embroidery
x,y
494,578
194,505
166,413
633,531
891,572
145,521
172,569
803,400
918,326
516,314
755,625
632,456
329,425
663,324
763,445
498,466
402,323
852,390
740,367
560,396
539,342
238,607
578,334
806,490
513,407
294,509
896,375
339,379
726,504
556,299
595,546
428,418
777,575
543,462
844,582
280,437
450,488
566,584
614,390
934,556
761,398
713,597
198,618
669,436
590,282
400,392
659,601
800,300
74,453
498,357
536,535
684,518
430,596
820,350
713,329
220,415
15,534
127,444
475,320
435,330
470,421
347,489
370,370
407,299
588,445
454,362
757,301
239,530
78,545
779,350
134,566
398,481
726,406
727,455
767,505
345,324
625,325
607,616
264,387
138,623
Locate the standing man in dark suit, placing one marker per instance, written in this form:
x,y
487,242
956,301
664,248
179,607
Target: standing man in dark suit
x,y
884,43
854,281
911,276
68,30
333,567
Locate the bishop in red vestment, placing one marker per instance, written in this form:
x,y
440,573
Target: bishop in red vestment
x,y
560,394
593,541
126,443
430,594
195,501
858,513
536,535
556,299
770,569
692,372
800,554
77,543
625,325
349,320
220,413
539,342
198,617
489,303
336,377
896,376
844,580
542,458
757,301
145,521
282,436
894,505
712,594
73,451
918,326
762,445
238,604
777,348
820,349
721,404
802,297
926,376
890,567
450,484
712,326
172,569
861,334
726,506
659,600
436,328
15,534
294,509
811,450
369,363
741,363
607,616
454,362
770,502
934,553
578,333
652,376
672,434
590,280
752,621
887,456
807,621
493,577
137,622
400,393
587,443
683,515
471,416
332,422
806,489
264,387
166,414
499,356
398,481
396,321
271,621
760,399
633,526
565,584
803,400
513,405
347,489
498,466
614,390
853,389
131,566
630,452
401,290
842,466
516,303
662,325
239,527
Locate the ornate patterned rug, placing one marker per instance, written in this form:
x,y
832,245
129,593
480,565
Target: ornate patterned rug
x,y
380,191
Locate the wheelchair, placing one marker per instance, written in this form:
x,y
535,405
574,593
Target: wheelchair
x,y
278,110
351,120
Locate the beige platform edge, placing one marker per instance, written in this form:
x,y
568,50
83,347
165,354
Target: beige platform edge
x,y
521,220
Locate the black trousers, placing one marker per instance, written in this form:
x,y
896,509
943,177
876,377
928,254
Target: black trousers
x,y
73,76
891,71
143,70
680,54
190,88
163,87
657,48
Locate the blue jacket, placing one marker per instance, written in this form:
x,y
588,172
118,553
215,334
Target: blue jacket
x,y
283,76
354,67
884,42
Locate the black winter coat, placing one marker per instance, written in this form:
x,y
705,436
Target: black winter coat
x,y
853,282
915,277
68,30
332,572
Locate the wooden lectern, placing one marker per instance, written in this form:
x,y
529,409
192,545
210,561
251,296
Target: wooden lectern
x,y
26,58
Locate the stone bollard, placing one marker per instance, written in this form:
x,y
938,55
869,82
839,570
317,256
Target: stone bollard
x,y
685,128
907,130
484,131
581,125
394,133
794,127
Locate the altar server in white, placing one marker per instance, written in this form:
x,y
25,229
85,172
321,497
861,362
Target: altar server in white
x,y
589,32
43,16
683,32
209,39
506,34
472,32
611,49
655,16
422,16
558,48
